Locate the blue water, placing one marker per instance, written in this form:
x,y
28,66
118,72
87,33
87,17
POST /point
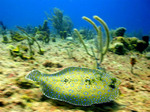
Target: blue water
x,y
132,14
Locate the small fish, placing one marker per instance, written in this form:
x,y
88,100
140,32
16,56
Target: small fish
x,y
78,86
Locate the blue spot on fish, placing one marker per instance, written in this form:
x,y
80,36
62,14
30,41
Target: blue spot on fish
x,y
85,93
71,90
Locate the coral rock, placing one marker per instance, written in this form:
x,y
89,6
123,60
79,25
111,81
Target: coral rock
x,y
120,31
51,64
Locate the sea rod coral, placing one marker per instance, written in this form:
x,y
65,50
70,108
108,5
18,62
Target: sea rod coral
x,y
101,51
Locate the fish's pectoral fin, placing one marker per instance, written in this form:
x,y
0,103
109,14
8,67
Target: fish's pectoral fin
x,y
34,75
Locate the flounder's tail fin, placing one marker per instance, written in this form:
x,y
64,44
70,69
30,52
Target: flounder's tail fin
x,y
34,75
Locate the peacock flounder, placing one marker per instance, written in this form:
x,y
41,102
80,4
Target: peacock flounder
x,y
78,86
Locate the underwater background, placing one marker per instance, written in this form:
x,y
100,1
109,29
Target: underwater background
x,y
132,14
74,56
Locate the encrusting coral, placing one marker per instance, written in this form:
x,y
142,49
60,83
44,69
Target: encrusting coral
x,y
121,45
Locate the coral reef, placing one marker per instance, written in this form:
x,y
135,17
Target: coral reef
x,y
147,55
53,39
87,33
120,31
118,48
45,27
6,40
60,22
20,51
3,31
30,30
127,44
43,32
15,36
117,32
63,34
101,51
143,44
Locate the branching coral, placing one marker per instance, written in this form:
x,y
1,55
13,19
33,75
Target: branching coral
x,y
59,21
101,50
29,39
15,36
87,33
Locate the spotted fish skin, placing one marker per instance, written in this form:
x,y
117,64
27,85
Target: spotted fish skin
x,y
78,86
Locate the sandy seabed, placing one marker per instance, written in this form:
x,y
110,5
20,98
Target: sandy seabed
x,y
19,95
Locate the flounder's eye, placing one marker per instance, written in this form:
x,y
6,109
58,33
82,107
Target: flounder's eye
x,y
66,80
88,80
112,86
114,80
